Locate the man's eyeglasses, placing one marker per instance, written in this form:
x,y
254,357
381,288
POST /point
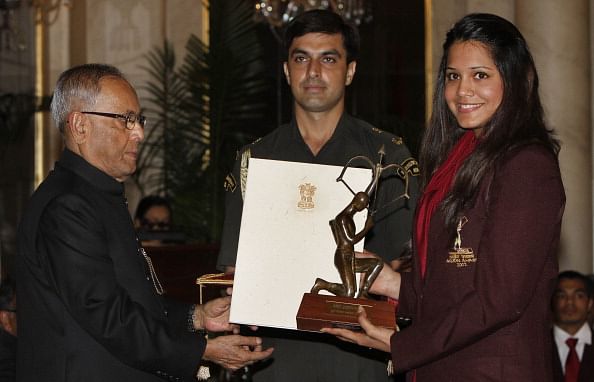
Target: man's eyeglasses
x,y
130,118
155,225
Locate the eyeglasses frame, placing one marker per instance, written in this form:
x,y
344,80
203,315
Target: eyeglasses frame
x,y
141,119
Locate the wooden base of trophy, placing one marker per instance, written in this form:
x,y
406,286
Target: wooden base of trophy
x,y
319,311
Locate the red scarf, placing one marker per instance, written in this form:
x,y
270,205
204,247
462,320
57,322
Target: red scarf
x,y
437,189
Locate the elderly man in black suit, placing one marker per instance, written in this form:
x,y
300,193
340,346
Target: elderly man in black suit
x,y
90,304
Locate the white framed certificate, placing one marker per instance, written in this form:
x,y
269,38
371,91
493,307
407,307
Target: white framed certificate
x,y
285,240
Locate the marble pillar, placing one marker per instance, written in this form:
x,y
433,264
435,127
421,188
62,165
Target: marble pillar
x,y
559,37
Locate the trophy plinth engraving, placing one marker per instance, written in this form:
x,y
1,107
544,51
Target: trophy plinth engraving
x,y
319,311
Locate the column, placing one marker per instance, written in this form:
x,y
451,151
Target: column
x,y
558,35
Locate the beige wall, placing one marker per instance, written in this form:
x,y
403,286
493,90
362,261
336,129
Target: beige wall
x,y
560,38
121,33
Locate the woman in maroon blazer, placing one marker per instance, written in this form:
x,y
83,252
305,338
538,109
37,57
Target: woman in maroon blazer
x,y
488,223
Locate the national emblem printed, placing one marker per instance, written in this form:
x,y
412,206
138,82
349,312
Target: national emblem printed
x,y
307,192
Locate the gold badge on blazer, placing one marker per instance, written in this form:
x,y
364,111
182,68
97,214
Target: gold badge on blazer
x,y
459,255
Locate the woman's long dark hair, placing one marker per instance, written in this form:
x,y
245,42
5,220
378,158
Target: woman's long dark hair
x,y
518,120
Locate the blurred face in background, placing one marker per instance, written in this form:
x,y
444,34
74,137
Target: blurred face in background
x,y
8,318
156,218
571,304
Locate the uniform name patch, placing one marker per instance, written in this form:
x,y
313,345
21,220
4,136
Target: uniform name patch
x,y
411,166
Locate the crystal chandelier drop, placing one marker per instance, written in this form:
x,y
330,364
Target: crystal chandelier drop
x,y
280,12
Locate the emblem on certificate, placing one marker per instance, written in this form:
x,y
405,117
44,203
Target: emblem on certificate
x,y
319,311
307,192
459,255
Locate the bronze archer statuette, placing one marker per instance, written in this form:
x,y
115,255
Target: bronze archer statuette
x,y
346,236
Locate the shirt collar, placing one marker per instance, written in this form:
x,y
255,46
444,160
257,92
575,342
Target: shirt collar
x,y
341,126
583,335
90,173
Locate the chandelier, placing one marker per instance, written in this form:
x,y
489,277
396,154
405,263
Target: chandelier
x,y
279,12
11,35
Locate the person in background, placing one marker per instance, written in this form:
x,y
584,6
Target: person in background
x,y
153,213
153,221
488,223
321,51
91,307
573,352
8,334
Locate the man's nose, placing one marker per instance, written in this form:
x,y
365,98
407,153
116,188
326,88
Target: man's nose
x,y
313,70
137,132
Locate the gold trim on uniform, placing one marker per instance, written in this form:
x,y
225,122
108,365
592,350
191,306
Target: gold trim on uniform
x,y
230,183
243,170
395,140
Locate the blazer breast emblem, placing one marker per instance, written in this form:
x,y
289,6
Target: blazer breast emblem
x,y
459,255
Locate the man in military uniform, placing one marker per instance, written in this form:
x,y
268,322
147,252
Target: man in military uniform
x,y
321,54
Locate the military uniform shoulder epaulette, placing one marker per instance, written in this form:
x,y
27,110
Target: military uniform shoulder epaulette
x,y
385,136
243,155
245,148
408,163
